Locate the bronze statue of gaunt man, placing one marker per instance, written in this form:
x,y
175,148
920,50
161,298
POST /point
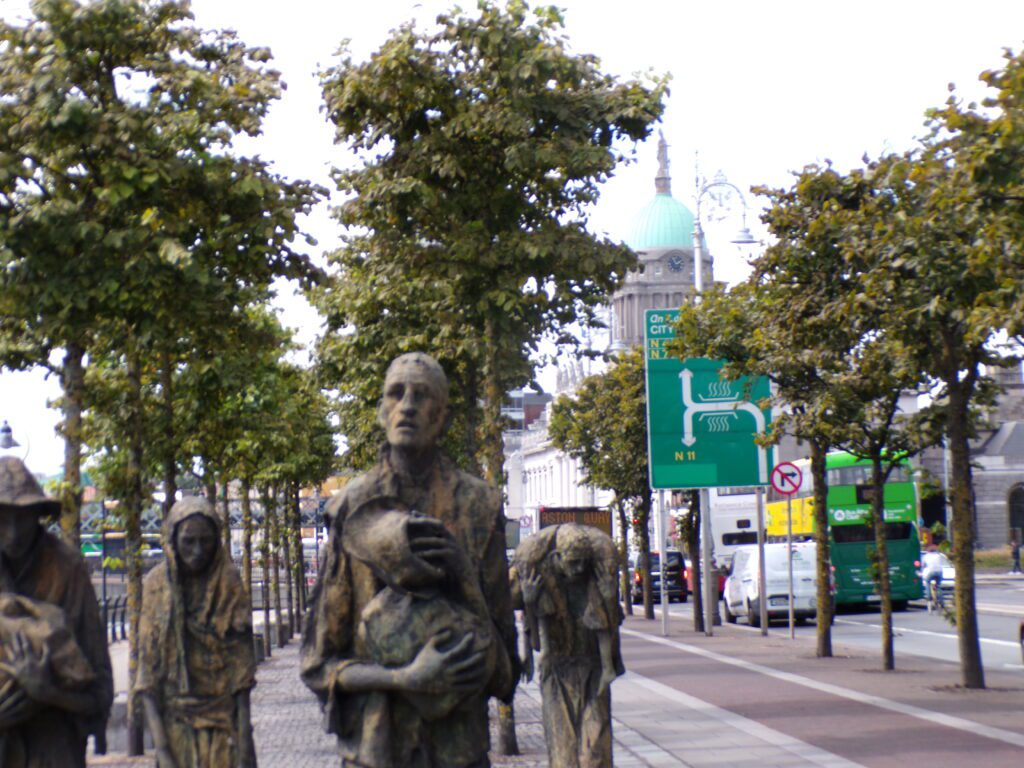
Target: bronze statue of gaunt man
x,y
410,628
56,686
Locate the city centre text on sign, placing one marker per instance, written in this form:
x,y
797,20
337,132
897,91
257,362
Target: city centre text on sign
x,y
700,427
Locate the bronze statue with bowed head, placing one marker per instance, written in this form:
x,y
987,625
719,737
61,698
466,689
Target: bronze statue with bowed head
x,y
567,574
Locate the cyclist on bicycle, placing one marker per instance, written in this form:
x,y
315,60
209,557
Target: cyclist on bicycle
x,y
931,572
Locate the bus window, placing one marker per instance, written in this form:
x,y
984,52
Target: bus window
x,y
741,537
859,534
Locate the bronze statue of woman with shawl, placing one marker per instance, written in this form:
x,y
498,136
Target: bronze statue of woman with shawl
x,y
196,660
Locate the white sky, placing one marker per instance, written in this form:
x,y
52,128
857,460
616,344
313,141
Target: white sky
x,y
759,89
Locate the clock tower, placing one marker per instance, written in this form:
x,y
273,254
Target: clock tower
x,y
662,237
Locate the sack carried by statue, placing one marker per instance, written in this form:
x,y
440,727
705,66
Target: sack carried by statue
x,y
45,627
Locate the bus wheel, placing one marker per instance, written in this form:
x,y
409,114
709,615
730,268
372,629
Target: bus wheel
x,y
899,605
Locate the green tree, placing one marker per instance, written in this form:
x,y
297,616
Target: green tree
x,y
940,285
124,215
118,195
484,143
787,321
604,426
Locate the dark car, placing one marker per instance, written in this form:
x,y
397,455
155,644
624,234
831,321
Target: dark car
x,y
675,582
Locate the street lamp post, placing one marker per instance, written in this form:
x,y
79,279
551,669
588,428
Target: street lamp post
x,y
743,237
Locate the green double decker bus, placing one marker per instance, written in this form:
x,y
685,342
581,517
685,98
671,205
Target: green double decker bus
x,y
851,535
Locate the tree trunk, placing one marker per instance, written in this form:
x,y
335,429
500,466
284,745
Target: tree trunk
x,y
246,538
493,448
959,394
300,559
826,605
285,539
267,559
133,538
493,451
170,453
644,560
693,553
507,743
627,592
882,560
73,384
226,513
265,580
471,394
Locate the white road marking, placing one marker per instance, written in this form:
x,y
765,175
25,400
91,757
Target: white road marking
x,y
928,632
937,718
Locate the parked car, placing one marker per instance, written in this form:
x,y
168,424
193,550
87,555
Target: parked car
x,y
675,582
742,594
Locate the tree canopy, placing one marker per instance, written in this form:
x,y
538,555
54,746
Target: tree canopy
x,y
483,142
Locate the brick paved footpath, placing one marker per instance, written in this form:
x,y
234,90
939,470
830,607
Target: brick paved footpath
x,y
288,731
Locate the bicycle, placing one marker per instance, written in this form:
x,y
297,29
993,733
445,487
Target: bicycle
x,y
935,602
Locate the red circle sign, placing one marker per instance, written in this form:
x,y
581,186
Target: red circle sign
x,y
786,478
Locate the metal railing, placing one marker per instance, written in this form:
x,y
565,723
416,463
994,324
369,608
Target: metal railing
x,y
115,617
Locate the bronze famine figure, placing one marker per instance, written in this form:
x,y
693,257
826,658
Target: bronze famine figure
x,y
56,686
196,660
410,627
567,574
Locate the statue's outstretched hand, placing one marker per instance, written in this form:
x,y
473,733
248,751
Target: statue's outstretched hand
x,y
458,668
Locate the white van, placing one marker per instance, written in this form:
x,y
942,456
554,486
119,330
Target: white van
x,y
741,588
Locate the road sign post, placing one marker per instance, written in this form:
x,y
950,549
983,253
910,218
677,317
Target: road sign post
x,y
787,478
701,428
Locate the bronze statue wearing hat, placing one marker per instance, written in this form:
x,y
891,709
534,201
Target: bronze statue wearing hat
x,y
56,686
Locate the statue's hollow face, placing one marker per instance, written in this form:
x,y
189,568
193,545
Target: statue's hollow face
x,y
412,411
18,530
573,558
195,541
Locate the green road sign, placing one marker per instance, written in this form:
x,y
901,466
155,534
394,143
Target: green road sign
x,y
700,427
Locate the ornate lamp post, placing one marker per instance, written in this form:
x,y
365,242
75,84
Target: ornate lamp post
x,y
719,189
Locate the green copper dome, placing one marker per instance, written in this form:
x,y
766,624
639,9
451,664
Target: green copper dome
x,y
663,223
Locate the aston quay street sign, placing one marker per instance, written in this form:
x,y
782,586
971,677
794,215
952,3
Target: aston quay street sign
x,y
700,427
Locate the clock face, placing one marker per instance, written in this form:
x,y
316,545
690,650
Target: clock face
x,y
675,262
